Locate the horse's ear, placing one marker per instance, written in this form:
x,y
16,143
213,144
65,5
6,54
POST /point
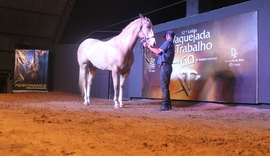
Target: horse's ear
x,y
141,16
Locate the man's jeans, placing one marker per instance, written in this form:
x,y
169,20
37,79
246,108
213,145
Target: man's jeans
x,y
165,76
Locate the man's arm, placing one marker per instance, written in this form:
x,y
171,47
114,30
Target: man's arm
x,y
154,50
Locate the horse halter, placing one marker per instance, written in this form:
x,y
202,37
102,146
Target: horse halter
x,y
145,38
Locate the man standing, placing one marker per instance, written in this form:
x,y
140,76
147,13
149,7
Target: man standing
x,y
165,59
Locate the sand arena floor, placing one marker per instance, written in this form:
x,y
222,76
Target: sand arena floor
x,y
56,123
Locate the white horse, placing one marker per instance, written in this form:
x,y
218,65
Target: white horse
x,y
115,54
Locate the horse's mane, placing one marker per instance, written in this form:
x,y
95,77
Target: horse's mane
x,y
125,31
131,24
136,21
129,29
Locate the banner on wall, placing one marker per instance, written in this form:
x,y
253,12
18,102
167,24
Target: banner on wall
x,y
214,61
31,70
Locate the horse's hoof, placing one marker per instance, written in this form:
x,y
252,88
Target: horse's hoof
x,y
86,103
116,104
121,106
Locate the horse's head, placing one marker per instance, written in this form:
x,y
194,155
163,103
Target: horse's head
x,y
146,32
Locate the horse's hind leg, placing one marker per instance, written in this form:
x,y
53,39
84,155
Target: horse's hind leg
x,y
83,83
86,76
90,76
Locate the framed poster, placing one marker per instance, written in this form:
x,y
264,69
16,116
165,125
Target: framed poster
x,y
31,70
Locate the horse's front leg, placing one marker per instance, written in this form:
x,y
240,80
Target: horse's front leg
x,y
121,89
115,87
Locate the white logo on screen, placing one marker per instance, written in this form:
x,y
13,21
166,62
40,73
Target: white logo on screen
x,y
233,53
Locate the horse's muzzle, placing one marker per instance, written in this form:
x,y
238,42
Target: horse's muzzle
x,y
151,41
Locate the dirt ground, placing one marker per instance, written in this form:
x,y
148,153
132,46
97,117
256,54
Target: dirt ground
x,y
56,123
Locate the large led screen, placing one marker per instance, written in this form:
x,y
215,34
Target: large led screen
x,y
214,61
